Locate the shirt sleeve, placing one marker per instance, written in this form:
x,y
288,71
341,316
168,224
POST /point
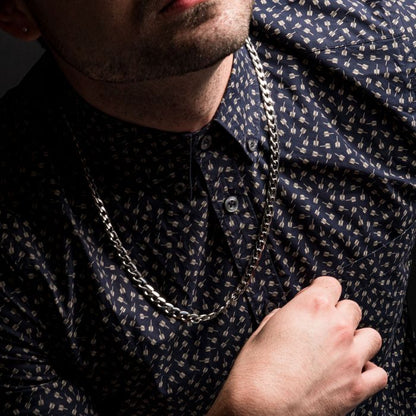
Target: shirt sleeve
x,y
29,384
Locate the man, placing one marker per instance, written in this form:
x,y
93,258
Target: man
x,y
155,238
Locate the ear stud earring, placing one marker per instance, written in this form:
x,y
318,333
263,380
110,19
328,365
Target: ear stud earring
x,y
25,29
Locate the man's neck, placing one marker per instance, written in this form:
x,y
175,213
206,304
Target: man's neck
x,y
179,104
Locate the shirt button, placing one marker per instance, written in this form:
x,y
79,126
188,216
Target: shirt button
x,y
231,204
252,145
180,188
206,143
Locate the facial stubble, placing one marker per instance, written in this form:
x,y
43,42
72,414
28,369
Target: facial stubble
x,y
170,53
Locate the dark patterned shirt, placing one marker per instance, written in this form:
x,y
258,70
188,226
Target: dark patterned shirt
x,y
77,337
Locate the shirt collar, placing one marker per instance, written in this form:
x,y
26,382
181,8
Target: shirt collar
x,y
240,112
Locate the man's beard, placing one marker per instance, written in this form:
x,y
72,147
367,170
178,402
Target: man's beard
x,y
151,66
153,59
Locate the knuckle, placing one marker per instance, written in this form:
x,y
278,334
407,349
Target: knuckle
x,y
384,379
329,281
380,380
375,338
357,392
319,302
357,309
343,330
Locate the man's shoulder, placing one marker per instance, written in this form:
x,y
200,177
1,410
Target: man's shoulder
x,y
322,24
29,112
27,105
28,121
371,44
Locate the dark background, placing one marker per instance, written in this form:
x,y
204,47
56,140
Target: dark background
x,y
16,58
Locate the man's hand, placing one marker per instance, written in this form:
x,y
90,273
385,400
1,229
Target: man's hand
x,y
306,359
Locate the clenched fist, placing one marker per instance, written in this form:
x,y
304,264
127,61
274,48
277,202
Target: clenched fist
x,y
305,359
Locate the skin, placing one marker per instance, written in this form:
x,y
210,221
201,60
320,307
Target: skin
x,y
169,71
305,359
160,69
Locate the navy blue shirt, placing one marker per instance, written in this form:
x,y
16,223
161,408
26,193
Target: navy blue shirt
x,y
76,334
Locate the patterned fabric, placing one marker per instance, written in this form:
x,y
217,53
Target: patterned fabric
x,y
78,338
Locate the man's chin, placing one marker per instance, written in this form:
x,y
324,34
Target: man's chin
x,y
186,60
198,60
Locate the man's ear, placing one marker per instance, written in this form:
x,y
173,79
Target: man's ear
x,y
17,20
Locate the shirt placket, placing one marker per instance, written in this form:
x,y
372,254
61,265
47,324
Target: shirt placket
x,y
225,185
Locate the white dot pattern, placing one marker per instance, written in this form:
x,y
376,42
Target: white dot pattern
x,y
78,338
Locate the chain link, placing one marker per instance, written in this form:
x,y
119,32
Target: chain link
x,y
130,267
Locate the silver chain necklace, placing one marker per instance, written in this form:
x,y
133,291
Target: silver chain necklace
x,y
130,267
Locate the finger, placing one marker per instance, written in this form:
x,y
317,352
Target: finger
x,y
323,287
351,310
367,342
369,365
374,378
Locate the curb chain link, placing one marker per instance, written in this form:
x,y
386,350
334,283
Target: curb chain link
x,y
130,267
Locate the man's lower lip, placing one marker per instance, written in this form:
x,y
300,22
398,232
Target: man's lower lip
x,y
180,5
